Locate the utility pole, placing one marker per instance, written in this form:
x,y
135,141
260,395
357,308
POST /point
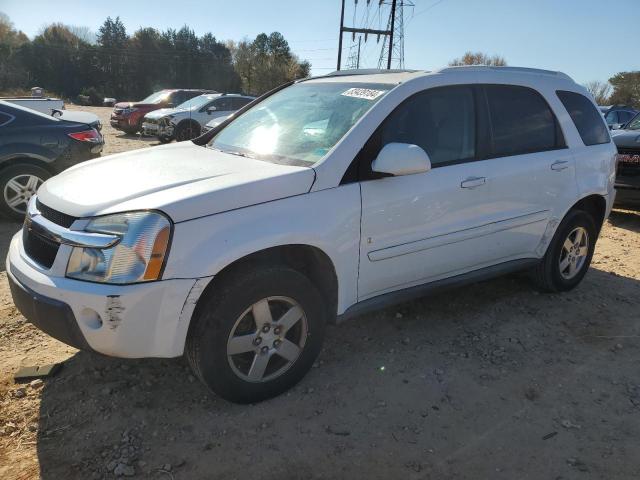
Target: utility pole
x,y
354,55
366,31
340,37
393,23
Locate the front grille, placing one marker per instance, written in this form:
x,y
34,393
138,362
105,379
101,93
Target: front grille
x,y
628,151
41,250
55,216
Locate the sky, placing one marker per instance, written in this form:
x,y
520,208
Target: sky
x,y
588,39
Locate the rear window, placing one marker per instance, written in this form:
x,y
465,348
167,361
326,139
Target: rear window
x,y
585,117
522,121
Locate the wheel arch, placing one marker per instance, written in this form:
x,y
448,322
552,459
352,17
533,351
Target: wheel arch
x,y
189,121
23,159
595,205
309,260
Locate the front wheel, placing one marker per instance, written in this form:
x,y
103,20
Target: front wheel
x,y
187,131
257,334
164,139
569,254
18,184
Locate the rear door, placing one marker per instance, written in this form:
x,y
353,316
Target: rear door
x,y
531,172
418,228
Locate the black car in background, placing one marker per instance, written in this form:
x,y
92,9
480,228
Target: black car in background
x,y
627,141
34,147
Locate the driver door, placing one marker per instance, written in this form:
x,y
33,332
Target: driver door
x,y
422,227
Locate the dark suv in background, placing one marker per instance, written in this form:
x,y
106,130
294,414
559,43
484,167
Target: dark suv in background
x,y
618,115
127,116
627,141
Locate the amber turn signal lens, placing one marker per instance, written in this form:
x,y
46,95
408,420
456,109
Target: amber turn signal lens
x,y
154,267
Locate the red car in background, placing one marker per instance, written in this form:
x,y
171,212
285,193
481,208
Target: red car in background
x,y
127,116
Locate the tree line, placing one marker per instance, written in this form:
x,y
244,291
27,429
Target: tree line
x,y
71,60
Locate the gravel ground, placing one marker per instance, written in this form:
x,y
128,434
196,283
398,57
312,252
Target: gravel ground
x,y
489,381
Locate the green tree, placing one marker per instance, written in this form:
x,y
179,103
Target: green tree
x,y
626,89
13,73
478,58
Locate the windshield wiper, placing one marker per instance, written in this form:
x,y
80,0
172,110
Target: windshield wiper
x,y
232,152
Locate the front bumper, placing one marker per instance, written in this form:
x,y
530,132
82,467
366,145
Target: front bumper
x,y
131,321
157,129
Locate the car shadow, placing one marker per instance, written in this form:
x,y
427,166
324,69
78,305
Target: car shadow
x,y
478,366
627,219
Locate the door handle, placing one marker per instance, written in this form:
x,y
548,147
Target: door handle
x,y
560,165
473,182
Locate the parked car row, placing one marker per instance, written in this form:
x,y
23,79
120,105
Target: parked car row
x,y
189,119
128,116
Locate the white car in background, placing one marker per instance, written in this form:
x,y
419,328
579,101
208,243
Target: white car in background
x,y
187,120
323,200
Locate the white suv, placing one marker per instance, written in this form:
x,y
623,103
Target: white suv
x,y
324,199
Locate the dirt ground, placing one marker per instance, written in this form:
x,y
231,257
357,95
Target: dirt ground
x,y
490,381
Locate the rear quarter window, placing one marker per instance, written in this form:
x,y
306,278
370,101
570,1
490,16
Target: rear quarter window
x,y
585,117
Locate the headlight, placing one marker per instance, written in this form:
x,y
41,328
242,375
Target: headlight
x,y
138,257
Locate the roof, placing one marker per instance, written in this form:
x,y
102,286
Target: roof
x,y
398,76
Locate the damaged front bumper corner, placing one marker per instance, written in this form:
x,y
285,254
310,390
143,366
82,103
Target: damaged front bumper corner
x,y
131,321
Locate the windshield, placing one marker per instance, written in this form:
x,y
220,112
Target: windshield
x,y
300,124
157,97
634,124
196,102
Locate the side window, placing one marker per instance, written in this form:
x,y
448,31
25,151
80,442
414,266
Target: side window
x,y
585,117
611,117
440,120
624,117
223,104
177,98
522,121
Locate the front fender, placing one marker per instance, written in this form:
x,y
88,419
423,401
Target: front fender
x,y
328,220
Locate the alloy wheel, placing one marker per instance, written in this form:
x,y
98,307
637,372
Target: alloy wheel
x,y
267,339
574,253
19,190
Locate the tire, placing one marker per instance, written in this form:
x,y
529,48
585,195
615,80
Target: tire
x,y
187,131
19,183
164,139
550,274
226,313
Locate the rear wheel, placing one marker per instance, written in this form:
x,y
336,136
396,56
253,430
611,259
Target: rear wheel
x,y
18,184
569,255
258,334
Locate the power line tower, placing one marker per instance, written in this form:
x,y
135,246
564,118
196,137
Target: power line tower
x,y
354,55
393,46
353,61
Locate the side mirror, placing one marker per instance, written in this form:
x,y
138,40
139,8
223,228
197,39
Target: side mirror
x,y
615,126
401,159
211,109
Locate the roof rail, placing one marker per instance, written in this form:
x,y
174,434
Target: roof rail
x,y
481,68
366,71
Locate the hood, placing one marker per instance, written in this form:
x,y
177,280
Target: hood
x,y
182,179
163,112
626,138
137,105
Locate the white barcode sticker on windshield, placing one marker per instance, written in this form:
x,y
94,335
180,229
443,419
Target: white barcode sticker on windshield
x,y
366,93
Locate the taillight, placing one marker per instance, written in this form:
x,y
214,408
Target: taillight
x,y
87,136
